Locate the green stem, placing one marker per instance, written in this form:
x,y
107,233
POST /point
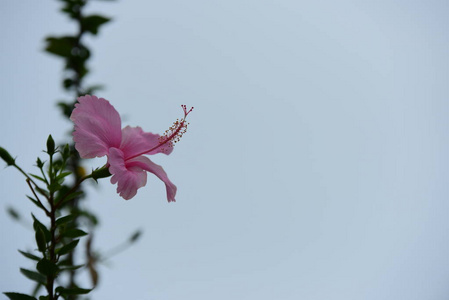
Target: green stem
x,y
50,278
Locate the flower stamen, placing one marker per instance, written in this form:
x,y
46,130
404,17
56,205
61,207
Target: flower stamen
x,y
172,135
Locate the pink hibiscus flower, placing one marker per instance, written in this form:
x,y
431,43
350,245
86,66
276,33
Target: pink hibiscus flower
x,y
98,133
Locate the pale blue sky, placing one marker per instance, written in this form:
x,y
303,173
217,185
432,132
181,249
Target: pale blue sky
x,y
315,166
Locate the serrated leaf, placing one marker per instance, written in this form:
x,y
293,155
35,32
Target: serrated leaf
x,y
18,296
67,248
47,267
35,276
30,256
74,233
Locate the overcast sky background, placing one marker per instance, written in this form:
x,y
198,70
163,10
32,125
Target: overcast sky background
x,y
315,165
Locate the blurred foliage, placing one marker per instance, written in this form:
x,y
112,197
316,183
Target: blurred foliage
x,y
73,51
75,55
58,238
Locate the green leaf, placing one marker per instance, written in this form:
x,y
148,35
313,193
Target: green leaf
x,y
68,83
61,46
66,152
89,216
63,220
35,202
42,192
7,157
30,256
69,197
74,233
42,234
57,165
35,276
38,178
71,268
66,108
38,224
50,145
36,289
18,296
40,240
62,175
72,291
67,248
44,297
92,23
47,267
73,7
13,213
54,187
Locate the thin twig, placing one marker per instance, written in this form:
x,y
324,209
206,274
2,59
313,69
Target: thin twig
x,y
25,174
37,198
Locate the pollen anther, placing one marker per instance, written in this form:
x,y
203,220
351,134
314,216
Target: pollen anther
x,y
174,133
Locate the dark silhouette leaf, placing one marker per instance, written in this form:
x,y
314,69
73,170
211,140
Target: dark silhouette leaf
x,y
67,248
35,276
18,296
92,23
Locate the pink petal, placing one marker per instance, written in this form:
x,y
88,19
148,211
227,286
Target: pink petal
x,y
146,164
129,178
137,142
97,126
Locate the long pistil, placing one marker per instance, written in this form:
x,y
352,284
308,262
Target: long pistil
x,y
171,136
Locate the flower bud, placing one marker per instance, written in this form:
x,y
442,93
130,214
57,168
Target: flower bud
x,y
101,173
50,145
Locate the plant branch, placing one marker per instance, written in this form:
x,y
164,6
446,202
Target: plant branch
x,y
37,198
